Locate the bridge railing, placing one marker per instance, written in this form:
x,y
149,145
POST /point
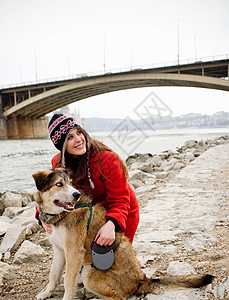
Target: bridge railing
x,y
118,70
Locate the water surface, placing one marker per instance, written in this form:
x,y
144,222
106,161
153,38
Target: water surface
x,y
21,158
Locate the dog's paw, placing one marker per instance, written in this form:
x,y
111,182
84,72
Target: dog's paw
x,y
67,297
44,295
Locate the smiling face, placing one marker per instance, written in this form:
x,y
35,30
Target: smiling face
x,y
76,143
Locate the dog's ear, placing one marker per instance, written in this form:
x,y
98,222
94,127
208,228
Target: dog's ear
x,y
37,197
42,178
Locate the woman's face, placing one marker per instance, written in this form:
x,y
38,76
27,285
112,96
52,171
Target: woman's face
x,y
76,143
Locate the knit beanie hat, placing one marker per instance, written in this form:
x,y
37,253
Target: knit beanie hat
x,y
59,127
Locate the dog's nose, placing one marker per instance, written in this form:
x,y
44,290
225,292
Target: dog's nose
x,y
76,195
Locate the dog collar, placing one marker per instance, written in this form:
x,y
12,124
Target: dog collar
x,y
51,215
80,205
51,218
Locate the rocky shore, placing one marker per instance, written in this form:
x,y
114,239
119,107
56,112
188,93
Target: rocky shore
x,y
183,197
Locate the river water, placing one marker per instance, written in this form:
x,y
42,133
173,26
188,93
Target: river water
x,y
21,158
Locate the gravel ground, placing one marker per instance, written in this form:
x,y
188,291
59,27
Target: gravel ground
x,y
32,277
215,258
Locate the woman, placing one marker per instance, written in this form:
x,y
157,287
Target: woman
x,y
97,171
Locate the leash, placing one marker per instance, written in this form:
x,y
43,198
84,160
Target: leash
x,y
103,256
80,205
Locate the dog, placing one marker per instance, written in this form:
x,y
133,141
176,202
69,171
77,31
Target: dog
x,y
73,231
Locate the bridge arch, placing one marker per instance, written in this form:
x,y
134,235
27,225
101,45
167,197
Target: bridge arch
x,y
40,105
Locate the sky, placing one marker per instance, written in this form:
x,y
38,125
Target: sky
x,y
58,38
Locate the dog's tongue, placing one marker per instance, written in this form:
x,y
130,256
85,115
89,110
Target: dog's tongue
x,y
66,205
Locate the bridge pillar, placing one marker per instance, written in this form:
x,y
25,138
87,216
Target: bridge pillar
x,y
3,128
12,128
25,128
40,127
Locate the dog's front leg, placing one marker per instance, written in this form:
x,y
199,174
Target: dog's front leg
x,y
74,258
55,273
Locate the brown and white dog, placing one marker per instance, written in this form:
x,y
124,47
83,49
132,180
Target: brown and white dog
x,y
71,239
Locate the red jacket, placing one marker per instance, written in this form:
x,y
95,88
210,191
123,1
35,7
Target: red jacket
x,y
111,190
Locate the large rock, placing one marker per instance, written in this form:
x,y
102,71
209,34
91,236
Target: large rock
x,y
176,268
12,212
138,157
150,179
142,182
140,175
161,175
13,238
173,161
6,273
4,225
164,155
155,161
165,166
191,144
14,199
29,252
147,167
136,175
151,164
136,183
145,189
179,166
135,165
10,199
189,156
27,219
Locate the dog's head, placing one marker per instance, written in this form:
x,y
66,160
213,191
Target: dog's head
x,y
55,194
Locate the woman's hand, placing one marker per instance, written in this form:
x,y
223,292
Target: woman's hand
x,y
47,227
106,234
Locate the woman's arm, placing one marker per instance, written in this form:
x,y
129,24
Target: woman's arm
x,y
116,189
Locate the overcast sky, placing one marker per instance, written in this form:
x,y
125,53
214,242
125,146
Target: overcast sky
x,y
52,38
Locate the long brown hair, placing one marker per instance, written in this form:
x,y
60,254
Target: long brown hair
x,y
98,146
78,167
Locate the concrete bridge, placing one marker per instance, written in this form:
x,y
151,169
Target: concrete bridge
x,y
25,107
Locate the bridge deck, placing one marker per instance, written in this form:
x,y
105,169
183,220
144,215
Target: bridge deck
x,y
36,100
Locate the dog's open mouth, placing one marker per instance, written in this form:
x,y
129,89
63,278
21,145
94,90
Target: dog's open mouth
x,y
66,205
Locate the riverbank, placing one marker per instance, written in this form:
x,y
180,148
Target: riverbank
x,y
16,172
183,227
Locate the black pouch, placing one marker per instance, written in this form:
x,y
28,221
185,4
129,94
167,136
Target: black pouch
x,y
102,256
